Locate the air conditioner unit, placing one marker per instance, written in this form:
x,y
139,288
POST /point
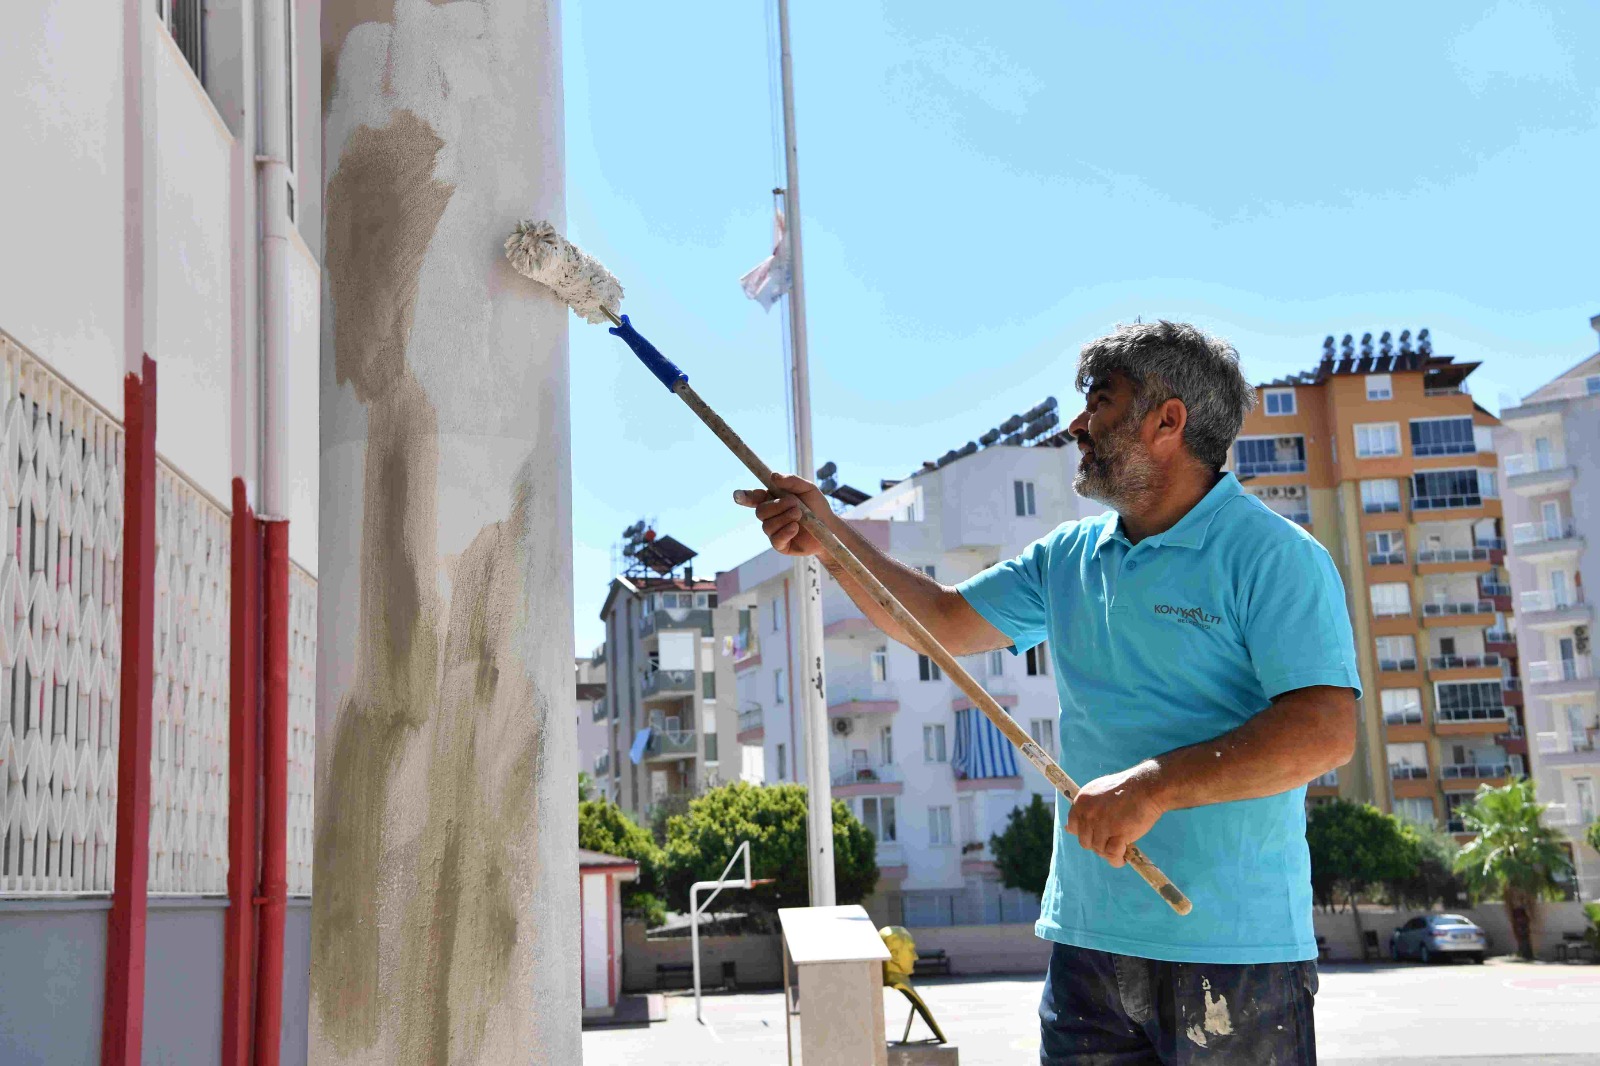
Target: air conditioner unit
x,y
842,727
1293,492
1274,492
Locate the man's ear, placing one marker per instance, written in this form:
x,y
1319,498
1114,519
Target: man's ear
x,y
1166,424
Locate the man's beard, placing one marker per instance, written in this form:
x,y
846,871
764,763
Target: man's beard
x,y
1116,471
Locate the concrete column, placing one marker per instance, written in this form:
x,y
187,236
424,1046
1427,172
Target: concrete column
x,y
444,923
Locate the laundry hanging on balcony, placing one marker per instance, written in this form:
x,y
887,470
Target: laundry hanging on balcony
x,y
981,750
641,740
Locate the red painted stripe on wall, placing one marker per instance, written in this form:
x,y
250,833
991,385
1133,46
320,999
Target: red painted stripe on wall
x,y
244,768
122,1028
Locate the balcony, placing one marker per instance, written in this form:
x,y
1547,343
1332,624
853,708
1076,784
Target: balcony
x,y
1446,390
1467,716
667,684
667,744
874,697
1381,507
1562,677
1386,558
1545,609
1474,771
1539,474
1435,556
1438,612
1446,503
1391,666
693,618
1259,467
1546,540
1490,590
602,765
878,779
751,726
1329,780
1407,716
1463,662
1404,772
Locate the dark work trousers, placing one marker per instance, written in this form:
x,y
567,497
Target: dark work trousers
x,y
1101,1009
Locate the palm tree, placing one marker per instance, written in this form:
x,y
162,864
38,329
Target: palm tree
x,y
1515,855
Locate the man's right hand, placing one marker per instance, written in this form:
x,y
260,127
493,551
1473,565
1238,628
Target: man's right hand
x,y
780,514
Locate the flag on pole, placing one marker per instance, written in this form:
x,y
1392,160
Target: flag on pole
x,y
769,280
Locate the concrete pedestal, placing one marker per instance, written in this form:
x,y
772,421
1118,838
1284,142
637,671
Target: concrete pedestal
x,y
839,958
923,1055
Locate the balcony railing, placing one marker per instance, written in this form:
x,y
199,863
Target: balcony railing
x,y
1494,544
1547,600
1499,636
1396,665
670,743
1481,771
1408,773
1463,662
1492,589
1444,503
1453,555
1455,825
1471,714
1440,610
1560,670
1446,390
1511,684
667,683
750,719
1517,465
1553,743
1386,558
1381,507
1327,780
875,774
602,765
1408,716
1532,534
1445,447
678,618
1255,467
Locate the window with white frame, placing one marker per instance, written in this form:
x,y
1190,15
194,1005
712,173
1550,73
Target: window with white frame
x,y
1418,810
1433,490
938,826
1375,440
997,663
877,814
783,763
1038,660
1380,496
1023,491
1380,387
1391,599
1397,653
1386,547
1483,437
777,685
1443,436
1407,760
1278,401
1469,701
880,664
933,749
886,745
927,669
1402,706
930,570
777,615
1043,732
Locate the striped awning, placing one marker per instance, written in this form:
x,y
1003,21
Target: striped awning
x,y
980,749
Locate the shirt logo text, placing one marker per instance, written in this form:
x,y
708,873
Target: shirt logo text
x,y
1192,616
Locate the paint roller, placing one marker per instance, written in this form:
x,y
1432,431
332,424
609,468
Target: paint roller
x,y
537,250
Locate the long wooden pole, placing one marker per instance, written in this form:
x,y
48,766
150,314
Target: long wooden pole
x,y
929,646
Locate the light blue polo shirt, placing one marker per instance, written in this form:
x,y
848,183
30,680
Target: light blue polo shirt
x,y
1163,644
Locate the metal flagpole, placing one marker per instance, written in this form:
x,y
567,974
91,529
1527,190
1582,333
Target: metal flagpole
x,y
813,704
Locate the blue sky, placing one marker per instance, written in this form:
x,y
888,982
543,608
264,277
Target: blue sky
x,y
986,187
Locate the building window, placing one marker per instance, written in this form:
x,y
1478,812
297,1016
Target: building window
x,y
1024,498
1038,660
1278,401
1402,706
997,663
1469,701
711,742
1443,436
1380,387
1391,600
776,615
1418,810
877,814
1407,761
777,685
1433,490
783,763
1269,455
1397,653
927,669
1386,547
886,745
1043,732
1591,385
938,826
1377,439
933,744
930,570
1380,496
1483,437
880,664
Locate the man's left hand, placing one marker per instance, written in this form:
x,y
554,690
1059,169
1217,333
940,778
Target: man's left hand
x,y
1112,812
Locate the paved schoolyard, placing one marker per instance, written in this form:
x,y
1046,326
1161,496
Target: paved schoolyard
x,y
1407,1015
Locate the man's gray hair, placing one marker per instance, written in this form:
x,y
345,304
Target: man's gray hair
x,y
1174,360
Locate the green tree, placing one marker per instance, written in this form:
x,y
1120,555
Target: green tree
x,y
585,786
773,818
1514,857
605,827
1433,879
1354,846
1592,835
1022,850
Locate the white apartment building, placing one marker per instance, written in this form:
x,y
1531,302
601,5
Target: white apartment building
x,y
1550,447
593,721
665,735
929,775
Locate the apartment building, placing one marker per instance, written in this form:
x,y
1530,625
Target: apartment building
x,y
594,721
1387,460
928,774
1550,450
667,736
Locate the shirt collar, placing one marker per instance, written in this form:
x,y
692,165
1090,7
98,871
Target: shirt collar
x,y
1190,530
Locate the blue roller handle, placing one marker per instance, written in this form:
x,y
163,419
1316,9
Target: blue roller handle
x,y
665,370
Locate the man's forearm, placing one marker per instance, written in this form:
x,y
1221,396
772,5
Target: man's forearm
x,y
916,591
1302,736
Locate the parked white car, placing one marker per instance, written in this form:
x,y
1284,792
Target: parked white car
x,y
1438,936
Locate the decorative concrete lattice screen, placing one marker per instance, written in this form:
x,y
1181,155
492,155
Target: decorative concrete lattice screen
x,y
302,725
189,735
60,637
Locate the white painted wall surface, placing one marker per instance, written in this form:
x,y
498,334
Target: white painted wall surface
x,y
596,931
304,443
61,189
